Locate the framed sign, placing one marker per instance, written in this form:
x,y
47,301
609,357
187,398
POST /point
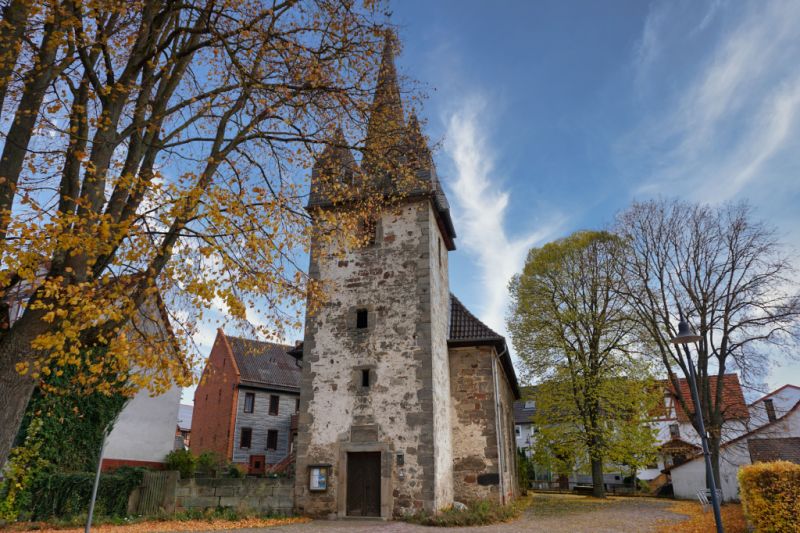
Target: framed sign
x,y
318,477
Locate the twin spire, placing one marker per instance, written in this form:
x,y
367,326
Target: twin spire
x,y
390,142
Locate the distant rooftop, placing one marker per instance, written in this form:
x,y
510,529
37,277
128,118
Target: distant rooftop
x,y
265,364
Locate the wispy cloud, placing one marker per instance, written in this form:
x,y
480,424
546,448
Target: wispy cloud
x,y
480,207
735,111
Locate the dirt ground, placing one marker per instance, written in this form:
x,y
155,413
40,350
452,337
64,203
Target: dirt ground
x,y
546,513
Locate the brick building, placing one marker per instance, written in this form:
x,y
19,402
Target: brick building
x,y
245,403
406,397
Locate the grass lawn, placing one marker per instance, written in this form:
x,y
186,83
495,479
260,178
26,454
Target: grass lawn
x,y
564,504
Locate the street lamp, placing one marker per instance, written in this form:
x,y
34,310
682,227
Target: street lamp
x,y
684,337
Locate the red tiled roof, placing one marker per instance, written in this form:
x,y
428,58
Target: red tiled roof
x,y
733,404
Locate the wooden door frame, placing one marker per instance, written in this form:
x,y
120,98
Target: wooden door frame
x,y
386,476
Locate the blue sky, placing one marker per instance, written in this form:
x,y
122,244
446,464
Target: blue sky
x,y
552,116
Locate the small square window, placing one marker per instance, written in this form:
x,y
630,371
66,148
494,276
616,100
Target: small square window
x,y
274,404
272,439
249,402
365,378
362,319
245,437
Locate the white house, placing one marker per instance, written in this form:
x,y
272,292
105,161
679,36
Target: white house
x,y
776,440
774,405
144,432
523,425
677,438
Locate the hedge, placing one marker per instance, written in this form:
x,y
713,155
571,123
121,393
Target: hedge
x,y
64,495
770,494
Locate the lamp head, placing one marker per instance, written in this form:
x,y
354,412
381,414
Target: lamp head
x,y
685,335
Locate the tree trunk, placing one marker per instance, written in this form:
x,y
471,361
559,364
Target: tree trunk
x,y
598,488
15,17
15,348
713,448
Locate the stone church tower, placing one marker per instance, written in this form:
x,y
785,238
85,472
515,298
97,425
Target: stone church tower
x,y
375,407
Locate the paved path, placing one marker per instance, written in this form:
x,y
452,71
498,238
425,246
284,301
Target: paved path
x,y
618,515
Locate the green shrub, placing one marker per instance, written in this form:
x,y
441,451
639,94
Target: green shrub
x,y
478,513
208,463
236,470
770,494
67,495
183,461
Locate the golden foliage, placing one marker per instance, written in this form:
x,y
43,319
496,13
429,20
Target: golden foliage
x,y
770,495
702,522
167,173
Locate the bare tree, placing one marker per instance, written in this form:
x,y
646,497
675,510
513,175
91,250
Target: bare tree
x,y
733,280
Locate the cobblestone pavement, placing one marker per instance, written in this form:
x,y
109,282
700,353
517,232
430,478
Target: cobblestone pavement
x,y
616,515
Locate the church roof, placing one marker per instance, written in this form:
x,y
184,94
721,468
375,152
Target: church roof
x,y
265,364
467,330
464,326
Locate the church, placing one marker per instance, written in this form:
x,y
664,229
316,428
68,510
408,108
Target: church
x,y
406,398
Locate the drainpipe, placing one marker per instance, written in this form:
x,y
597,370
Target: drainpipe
x,y
498,430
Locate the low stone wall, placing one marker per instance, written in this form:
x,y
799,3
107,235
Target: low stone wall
x,y
262,495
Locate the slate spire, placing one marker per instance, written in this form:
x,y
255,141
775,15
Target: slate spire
x,y
418,151
335,167
386,126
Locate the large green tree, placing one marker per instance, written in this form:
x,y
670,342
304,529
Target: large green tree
x,y
573,332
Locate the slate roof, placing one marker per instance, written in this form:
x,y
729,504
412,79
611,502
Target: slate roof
x,y
523,415
185,417
781,449
265,364
733,404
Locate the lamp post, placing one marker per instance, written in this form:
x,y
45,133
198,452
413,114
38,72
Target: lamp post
x,y
684,337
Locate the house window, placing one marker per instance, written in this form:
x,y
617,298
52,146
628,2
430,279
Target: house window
x,y
365,377
770,407
517,430
245,437
274,403
362,320
272,439
674,431
297,405
530,404
439,242
249,402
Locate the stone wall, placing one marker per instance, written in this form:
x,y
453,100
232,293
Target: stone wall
x,y
392,280
475,455
262,495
